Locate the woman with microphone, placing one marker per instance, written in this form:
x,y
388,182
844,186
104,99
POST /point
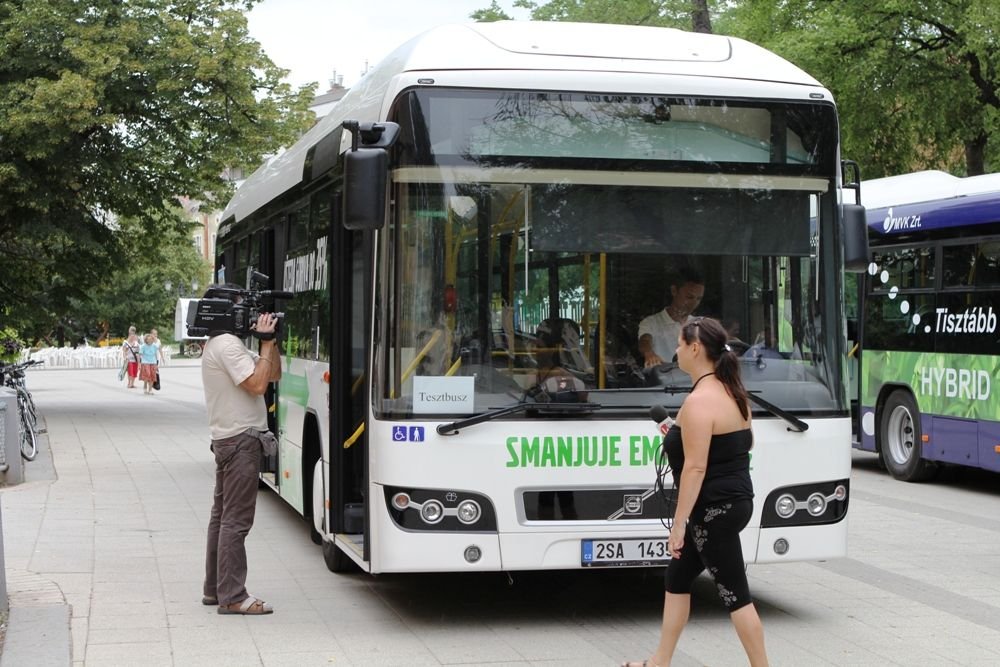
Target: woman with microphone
x,y
708,450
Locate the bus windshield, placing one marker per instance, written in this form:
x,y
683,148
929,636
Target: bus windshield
x,y
536,237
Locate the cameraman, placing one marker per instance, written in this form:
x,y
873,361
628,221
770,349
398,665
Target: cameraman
x,y
235,380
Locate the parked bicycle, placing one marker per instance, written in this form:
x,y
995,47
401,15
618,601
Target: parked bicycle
x,y
13,376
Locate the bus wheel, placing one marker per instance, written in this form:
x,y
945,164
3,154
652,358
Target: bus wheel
x,y
900,438
317,519
335,559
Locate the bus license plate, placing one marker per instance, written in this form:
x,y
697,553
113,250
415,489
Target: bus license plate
x,y
633,551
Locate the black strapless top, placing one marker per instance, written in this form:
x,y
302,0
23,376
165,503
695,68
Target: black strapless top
x,y
727,476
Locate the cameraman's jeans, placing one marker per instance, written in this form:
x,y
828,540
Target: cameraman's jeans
x,y
237,462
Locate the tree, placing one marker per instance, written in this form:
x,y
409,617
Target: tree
x,y
916,82
701,20
110,110
133,292
670,13
490,14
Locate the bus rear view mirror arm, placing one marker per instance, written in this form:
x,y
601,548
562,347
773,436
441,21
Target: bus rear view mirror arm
x,y
366,172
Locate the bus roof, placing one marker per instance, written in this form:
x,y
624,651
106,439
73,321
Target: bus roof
x,y
921,186
540,51
554,45
928,200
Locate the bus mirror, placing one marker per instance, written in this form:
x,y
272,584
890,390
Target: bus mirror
x,y
855,234
365,173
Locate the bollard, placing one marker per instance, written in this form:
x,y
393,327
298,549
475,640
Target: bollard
x,y
11,464
4,602
13,470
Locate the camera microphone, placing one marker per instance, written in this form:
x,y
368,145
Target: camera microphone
x,y
659,414
275,294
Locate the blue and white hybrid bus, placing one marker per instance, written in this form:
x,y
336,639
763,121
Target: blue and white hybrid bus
x,y
930,342
473,235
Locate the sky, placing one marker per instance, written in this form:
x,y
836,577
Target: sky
x,y
312,38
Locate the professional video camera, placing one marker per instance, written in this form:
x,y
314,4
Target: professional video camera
x,y
234,310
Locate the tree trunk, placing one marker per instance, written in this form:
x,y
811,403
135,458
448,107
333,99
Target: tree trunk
x,y
975,152
701,21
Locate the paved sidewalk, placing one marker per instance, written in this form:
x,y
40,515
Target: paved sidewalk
x,y
104,540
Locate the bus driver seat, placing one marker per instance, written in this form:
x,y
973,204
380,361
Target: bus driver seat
x,y
561,363
559,346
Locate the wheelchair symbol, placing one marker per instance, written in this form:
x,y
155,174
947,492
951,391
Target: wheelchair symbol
x,y
399,433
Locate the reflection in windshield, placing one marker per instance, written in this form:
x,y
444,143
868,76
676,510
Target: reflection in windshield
x,y
512,284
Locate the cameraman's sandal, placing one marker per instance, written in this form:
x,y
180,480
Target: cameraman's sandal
x,y
251,606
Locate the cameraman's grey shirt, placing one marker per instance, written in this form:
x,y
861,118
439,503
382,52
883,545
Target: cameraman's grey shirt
x,y
225,364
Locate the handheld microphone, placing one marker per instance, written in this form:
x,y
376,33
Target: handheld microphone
x,y
659,414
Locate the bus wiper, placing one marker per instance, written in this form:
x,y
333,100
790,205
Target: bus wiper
x,y
452,428
799,425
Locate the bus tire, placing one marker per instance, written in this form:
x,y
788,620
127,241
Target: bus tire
x,y
335,559
900,439
316,518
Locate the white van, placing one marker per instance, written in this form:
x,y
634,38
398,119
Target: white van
x,y
190,346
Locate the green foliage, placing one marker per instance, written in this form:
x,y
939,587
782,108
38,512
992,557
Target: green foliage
x,y
492,13
10,345
672,13
133,292
916,82
110,111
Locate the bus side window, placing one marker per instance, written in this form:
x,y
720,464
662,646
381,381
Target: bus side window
x,y
987,265
959,266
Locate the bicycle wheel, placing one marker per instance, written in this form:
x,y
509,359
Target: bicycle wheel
x,y
31,402
27,407
29,444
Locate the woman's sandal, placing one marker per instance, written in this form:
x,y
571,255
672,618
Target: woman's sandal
x,y
249,607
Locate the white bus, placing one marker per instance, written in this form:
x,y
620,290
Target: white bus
x,y
498,200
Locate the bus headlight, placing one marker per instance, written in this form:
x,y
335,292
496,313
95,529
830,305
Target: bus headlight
x,y
432,511
816,504
468,511
785,506
440,510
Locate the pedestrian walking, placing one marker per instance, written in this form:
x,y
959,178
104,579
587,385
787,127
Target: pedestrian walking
x,y
147,363
708,450
130,356
159,346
